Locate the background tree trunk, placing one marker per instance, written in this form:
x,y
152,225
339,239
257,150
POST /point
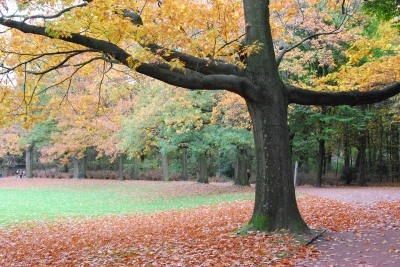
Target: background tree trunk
x,y
135,168
321,159
84,166
395,151
203,175
347,149
164,160
29,160
76,166
362,159
242,175
121,167
185,172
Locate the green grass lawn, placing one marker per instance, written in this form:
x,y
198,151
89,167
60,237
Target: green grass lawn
x,y
74,199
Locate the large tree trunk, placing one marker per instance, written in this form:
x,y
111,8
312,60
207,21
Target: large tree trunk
x,y
321,159
242,177
76,166
185,172
29,160
203,175
275,202
164,163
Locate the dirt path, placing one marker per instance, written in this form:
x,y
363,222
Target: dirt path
x,y
378,246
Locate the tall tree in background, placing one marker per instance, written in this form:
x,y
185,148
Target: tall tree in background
x,y
195,45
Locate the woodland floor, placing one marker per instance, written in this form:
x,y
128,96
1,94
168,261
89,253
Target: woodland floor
x,y
363,229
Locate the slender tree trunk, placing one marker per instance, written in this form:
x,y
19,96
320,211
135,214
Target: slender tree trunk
x,y
346,149
396,150
135,168
321,159
242,175
84,166
121,167
66,168
29,160
362,153
203,175
164,160
76,166
380,167
329,162
185,172
362,159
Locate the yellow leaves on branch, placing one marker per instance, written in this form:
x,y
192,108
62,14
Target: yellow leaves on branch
x,y
373,63
9,142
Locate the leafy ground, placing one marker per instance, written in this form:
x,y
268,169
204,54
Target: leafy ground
x,y
197,232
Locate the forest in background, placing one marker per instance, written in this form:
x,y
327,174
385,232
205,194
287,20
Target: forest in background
x,y
326,143
126,126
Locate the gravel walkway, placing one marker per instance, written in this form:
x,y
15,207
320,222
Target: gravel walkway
x,y
368,247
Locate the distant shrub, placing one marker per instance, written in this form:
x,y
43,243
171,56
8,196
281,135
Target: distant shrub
x,y
174,176
110,175
349,174
151,175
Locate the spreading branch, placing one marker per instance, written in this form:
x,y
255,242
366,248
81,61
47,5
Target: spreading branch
x,y
308,97
192,79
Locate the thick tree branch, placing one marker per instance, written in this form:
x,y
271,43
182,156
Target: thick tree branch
x,y
193,80
308,97
182,78
204,66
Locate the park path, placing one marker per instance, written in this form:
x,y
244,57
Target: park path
x,y
378,246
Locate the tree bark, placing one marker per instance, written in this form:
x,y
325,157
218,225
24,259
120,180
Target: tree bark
x,y
29,160
135,169
275,204
76,166
121,167
185,172
203,175
321,159
242,174
396,150
84,166
329,162
346,148
164,163
362,159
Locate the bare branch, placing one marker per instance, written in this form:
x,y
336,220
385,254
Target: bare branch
x,y
53,16
337,29
39,56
